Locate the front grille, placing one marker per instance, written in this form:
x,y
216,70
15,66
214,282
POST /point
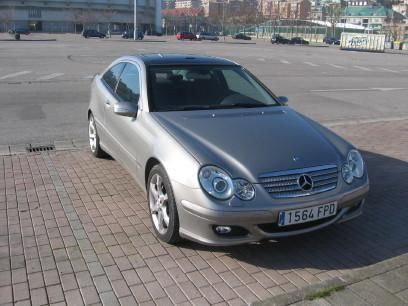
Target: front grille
x,y
284,184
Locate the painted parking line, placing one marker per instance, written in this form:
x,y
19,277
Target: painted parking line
x,y
337,66
311,64
363,121
13,75
341,89
88,77
389,70
261,59
285,62
362,68
360,89
50,76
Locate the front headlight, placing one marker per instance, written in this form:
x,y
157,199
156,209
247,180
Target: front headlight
x,y
244,189
354,167
217,183
356,162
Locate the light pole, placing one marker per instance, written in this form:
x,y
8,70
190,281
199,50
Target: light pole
x,y
134,20
223,16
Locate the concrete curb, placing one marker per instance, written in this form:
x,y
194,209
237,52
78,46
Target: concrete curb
x,y
60,145
345,280
29,40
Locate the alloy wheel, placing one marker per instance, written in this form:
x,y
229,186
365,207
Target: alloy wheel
x,y
92,134
159,205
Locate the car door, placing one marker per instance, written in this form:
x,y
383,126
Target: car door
x,y
104,95
125,138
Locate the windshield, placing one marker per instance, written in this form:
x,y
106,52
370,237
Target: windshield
x,y
205,87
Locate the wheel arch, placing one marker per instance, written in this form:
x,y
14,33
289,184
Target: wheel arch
x,y
151,162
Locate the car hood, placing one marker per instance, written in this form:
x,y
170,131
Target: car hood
x,y
250,142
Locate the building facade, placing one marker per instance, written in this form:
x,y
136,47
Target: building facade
x,y
371,17
229,8
168,4
75,15
187,3
289,9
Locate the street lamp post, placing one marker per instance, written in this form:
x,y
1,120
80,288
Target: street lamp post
x,y
134,20
223,16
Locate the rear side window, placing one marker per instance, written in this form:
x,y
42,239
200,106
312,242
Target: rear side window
x,y
111,76
128,89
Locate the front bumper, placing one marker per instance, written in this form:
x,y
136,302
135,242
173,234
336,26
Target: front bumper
x,y
198,222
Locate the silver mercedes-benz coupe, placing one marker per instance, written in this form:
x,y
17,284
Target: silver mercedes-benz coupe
x,y
222,159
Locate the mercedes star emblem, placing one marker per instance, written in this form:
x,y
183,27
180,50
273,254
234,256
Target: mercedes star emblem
x,y
305,182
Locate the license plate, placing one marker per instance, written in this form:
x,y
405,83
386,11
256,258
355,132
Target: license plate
x,y
303,215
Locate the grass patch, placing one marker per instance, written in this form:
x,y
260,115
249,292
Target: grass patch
x,y
324,293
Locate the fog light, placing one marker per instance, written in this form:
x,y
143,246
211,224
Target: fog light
x,y
223,229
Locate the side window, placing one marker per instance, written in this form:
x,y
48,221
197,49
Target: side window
x,y
128,89
111,76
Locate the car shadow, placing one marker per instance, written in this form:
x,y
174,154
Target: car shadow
x,y
380,233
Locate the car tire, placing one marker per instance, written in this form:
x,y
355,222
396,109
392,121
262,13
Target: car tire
x,y
162,206
94,144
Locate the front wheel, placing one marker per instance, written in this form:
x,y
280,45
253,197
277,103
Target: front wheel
x,y
162,206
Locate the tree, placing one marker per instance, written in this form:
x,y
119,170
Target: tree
x,y
334,13
395,25
5,19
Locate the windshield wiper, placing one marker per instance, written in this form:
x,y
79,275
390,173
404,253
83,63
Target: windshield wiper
x,y
191,107
218,106
240,105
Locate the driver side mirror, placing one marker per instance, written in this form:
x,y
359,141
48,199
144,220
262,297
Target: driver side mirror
x,y
283,100
126,109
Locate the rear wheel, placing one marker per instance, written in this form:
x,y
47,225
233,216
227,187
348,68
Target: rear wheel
x,y
162,206
94,139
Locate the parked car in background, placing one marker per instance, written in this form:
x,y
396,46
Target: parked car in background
x,y
298,41
183,126
92,33
185,35
207,36
241,36
130,34
331,40
153,33
279,39
17,32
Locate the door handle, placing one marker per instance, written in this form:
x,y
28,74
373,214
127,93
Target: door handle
x,y
108,103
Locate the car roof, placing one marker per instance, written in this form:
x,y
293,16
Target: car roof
x,y
183,59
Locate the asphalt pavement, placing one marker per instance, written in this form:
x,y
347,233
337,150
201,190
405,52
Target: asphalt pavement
x,y
45,85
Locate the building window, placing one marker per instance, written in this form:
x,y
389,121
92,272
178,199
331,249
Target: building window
x,y
34,12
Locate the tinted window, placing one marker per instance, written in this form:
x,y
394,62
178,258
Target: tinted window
x,y
241,84
111,76
128,89
204,87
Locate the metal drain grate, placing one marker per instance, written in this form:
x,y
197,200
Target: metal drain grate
x,y
40,148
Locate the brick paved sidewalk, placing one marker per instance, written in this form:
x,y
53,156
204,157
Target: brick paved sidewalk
x,y
389,288
384,283
75,230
